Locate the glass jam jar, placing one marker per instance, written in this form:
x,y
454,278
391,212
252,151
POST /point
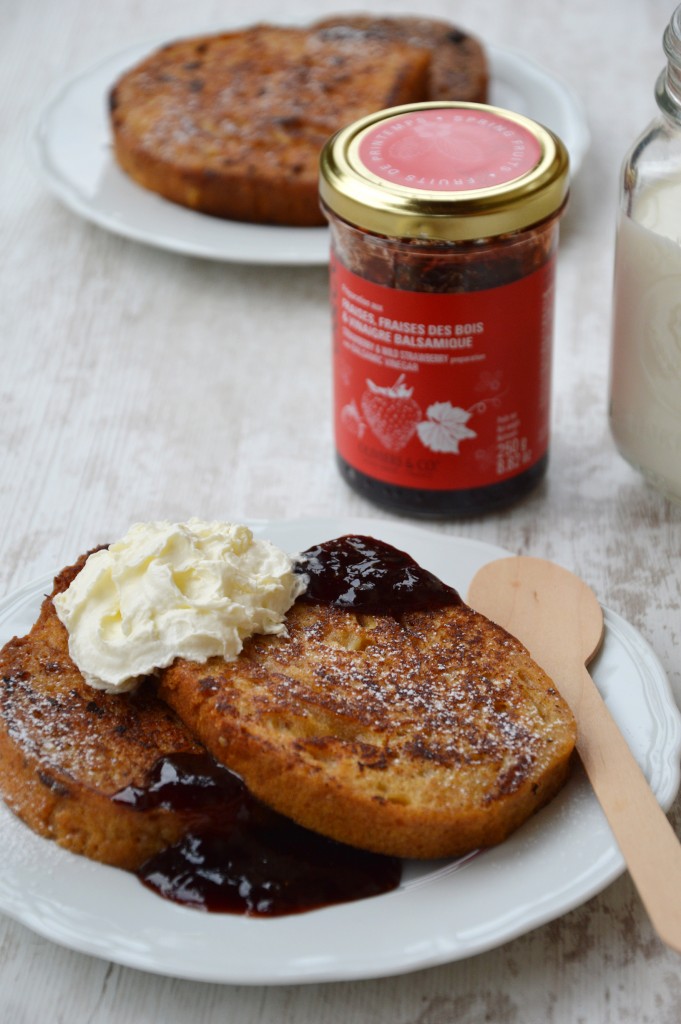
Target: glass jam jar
x,y
444,229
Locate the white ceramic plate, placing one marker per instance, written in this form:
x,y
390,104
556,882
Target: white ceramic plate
x,y
71,141
441,912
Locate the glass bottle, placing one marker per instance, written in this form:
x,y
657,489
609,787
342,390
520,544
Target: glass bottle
x,y
645,372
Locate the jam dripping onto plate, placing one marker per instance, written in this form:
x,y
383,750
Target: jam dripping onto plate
x,y
240,857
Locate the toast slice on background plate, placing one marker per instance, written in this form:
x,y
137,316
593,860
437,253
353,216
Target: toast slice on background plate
x,y
458,64
233,124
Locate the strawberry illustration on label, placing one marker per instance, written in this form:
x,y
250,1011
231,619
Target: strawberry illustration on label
x,y
391,412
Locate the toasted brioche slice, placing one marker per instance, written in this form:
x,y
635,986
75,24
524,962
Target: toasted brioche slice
x,y
458,64
233,124
66,749
425,735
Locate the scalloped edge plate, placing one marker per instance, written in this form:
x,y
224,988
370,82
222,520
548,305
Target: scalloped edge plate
x,y
442,911
71,147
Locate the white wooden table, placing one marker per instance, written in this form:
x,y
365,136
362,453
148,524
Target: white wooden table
x,y
138,384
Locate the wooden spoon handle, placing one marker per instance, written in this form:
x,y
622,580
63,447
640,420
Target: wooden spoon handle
x,y
557,616
648,843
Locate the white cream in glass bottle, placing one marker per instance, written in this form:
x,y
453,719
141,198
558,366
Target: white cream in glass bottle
x,y
645,378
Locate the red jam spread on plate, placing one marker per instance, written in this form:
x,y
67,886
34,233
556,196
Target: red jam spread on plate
x,y
240,857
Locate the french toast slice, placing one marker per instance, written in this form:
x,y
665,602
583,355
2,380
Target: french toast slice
x,y
424,734
66,749
233,124
458,67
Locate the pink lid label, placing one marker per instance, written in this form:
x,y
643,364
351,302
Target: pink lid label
x,y
449,149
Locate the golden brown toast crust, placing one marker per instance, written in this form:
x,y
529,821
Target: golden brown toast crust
x,y
427,735
458,64
233,124
65,748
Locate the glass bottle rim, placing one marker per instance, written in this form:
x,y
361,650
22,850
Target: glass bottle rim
x,y
668,86
672,37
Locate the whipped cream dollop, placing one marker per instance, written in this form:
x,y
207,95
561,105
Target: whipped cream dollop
x,y
174,590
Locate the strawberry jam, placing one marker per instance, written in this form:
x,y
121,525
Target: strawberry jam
x,y
367,575
237,855
240,857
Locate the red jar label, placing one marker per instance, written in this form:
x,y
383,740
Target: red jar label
x,y
442,391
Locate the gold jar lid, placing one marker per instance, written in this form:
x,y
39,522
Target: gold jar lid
x,y
446,171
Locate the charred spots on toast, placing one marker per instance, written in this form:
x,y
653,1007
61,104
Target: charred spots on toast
x,y
370,756
209,684
430,752
55,786
512,778
224,706
36,721
338,60
330,748
93,708
289,121
15,679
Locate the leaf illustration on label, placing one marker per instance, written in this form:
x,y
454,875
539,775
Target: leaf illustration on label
x,y
445,427
392,414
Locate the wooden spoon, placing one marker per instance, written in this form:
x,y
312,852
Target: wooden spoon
x,y
558,618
